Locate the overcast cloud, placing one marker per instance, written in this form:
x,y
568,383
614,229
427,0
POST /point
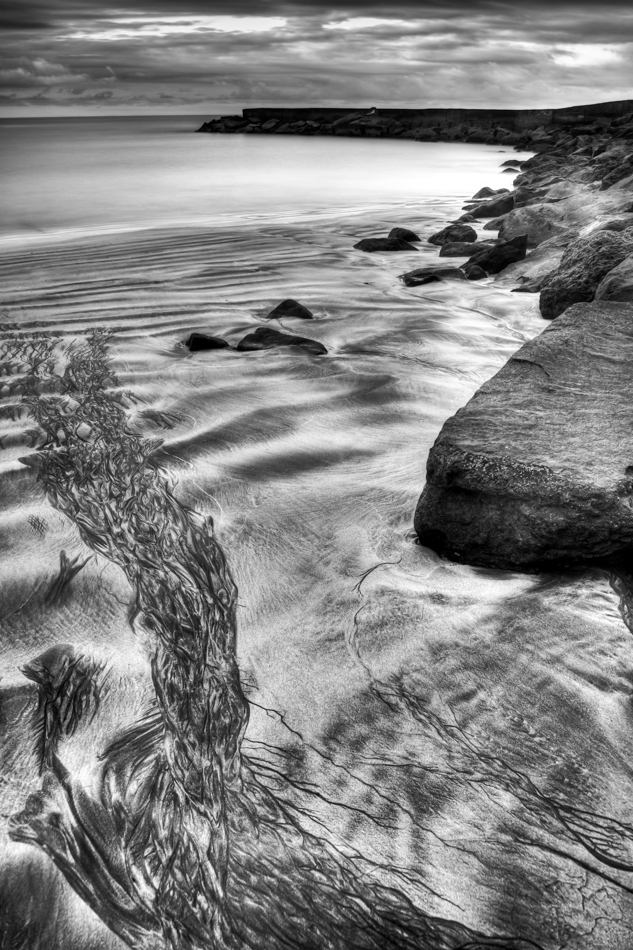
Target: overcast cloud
x,y
75,56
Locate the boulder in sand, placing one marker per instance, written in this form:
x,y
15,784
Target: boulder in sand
x,y
290,308
536,471
404,234
203,341
428,275
618,284
583,266
264,338
453,233
384,244
495,257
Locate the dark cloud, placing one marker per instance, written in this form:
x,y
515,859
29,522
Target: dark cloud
x,y
415,53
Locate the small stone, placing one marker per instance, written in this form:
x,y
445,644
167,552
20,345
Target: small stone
x,y
83,432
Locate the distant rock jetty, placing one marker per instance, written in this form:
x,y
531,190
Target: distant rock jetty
x,y
529,128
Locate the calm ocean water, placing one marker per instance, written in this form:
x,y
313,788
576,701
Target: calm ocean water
x,y
68,174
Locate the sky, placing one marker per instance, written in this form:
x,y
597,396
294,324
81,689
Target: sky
x,y
81,57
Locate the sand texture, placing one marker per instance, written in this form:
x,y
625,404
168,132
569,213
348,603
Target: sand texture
x,y
240,705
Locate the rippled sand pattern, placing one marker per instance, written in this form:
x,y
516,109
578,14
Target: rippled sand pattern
x,y
459,736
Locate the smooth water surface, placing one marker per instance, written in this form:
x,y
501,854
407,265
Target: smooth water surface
x,y
103,173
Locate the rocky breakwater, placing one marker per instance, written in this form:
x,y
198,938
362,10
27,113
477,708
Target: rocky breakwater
x,y
531,128
536,471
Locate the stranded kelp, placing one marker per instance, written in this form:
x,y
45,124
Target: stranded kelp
x,y
188,841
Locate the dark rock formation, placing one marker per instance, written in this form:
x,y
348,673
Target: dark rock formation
x,y
404,234
203,341
452,233
427,275
264,338
536,471
464,248
487,192
539,222
511,163
583,266
623,170
290,308
618,284
494,258
492,209
474,272
384,244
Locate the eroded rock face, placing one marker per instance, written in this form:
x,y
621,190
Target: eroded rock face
x,y
583,266
618,284
264,338
453,233
536,471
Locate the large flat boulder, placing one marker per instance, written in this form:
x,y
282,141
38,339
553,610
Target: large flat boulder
x,y
536,471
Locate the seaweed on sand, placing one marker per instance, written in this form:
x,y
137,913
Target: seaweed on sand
x,y
185,844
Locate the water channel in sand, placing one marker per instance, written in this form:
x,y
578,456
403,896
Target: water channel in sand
x,y
446,715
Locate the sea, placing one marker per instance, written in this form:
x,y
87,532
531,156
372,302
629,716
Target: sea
x,y
65,176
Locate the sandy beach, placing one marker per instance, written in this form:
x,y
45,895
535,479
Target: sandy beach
x,y
439,719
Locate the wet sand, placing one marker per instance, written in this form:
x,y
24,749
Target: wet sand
x,y
466,729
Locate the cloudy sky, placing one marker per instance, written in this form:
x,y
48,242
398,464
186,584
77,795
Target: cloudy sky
x,y
200,56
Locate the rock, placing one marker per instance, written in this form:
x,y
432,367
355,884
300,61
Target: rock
x,y
202,341
618,284
452,233
427,275
463,248
539,222
474,272
494,258
487,192
494,208
511,484
290,308
464,218
617,224
264,338
384,244
532,285
404,234
585,263
511,163
84,432
618,173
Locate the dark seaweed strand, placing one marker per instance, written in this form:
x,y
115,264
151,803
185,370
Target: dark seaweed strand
x,y
186,846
